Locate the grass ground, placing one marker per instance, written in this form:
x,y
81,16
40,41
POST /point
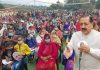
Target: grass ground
x,y
32,67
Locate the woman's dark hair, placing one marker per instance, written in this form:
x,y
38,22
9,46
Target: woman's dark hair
x,y
46,35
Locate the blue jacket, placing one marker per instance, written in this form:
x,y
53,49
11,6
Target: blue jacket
x,y
31,42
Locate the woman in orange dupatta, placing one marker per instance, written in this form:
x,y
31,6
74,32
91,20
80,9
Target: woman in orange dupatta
x,y
47,55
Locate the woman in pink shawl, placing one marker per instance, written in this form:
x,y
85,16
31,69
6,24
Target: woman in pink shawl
x,y
47,55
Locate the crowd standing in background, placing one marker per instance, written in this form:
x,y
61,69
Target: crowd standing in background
x,y
42,35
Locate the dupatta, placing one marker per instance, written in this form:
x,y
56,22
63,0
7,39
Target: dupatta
x,y
68,62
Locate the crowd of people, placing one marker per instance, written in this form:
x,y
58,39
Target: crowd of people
x,y
44,35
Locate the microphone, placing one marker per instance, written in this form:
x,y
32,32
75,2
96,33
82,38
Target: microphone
x,y
80,54
79,44
80,58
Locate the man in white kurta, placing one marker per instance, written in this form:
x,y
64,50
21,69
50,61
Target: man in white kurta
x,y
90,51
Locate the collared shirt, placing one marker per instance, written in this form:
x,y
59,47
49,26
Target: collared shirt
x,y
91,60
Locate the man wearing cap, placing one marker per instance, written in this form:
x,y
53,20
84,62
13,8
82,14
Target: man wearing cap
x,y
21,29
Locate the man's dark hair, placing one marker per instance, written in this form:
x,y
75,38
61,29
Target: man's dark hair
x,y
91,19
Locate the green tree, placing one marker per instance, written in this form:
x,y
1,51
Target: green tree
x,y
1,6
56,6
98,4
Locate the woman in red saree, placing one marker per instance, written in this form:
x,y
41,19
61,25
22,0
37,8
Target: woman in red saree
x,y
47,55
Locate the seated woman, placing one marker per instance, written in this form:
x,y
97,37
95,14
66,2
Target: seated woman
x,y
55,38
8,63
47,54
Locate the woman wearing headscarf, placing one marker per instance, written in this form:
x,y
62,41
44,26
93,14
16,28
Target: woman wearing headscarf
x,y
55,38
47,54
68,62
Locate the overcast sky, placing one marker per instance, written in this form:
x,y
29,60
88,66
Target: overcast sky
x,y
29,2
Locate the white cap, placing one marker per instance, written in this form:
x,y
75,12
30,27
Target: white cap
x,y
21,20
